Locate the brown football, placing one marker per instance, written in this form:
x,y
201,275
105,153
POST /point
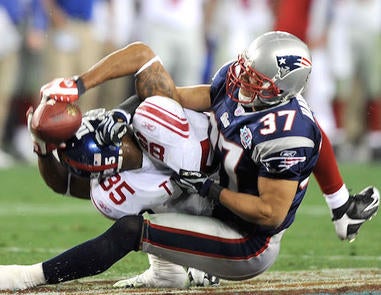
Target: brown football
x,y
55,122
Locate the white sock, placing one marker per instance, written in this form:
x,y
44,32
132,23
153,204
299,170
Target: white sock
x,y
21,277
338,198
161,266
34,275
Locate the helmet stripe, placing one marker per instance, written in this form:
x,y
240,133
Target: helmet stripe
x,y
88,167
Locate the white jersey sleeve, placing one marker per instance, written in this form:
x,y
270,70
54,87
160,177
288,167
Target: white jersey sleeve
x,y
171,135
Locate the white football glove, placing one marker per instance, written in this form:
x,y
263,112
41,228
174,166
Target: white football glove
x,y
113,127
40,147
63,89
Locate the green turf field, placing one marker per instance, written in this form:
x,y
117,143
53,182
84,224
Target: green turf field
x,y
36,224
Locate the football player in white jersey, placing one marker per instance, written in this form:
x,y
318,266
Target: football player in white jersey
x,y
113,171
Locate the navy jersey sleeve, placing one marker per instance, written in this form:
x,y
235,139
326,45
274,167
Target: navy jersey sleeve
x,y
218,81
289,154
288,163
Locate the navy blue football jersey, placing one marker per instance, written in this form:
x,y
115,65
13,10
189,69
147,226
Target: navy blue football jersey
x,y
280,142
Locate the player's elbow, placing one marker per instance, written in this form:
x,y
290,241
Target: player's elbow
x,y
271,218
142,52
264,218
272,222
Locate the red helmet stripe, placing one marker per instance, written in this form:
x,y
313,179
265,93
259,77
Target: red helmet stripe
x,y
88,167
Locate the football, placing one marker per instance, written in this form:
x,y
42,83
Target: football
x,y
56,122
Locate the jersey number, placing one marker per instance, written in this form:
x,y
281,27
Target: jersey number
x,y
152,148
270,123
232,152
119,190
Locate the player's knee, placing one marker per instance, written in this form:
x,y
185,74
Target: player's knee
x,y
127,231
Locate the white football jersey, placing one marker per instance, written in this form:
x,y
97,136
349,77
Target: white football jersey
x,y
134,191
171,138
148,188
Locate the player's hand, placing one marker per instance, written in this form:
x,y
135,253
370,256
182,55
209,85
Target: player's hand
x,y
63,89
113,127
198,182
40,147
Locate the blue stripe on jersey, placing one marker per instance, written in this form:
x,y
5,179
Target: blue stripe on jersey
x,y
204,245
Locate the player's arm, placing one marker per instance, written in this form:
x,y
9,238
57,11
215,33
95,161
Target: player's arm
x,y
129,60
155,80
194,97
125,61
57,177
269,208
135,59
140,60
151,76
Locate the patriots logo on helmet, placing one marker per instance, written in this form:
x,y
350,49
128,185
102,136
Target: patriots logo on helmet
x,y
289,63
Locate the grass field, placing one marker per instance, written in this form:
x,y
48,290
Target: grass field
x,y
36,224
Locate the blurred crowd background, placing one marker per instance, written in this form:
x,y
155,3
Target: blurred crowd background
x,y
46,39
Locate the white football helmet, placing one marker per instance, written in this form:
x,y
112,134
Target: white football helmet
x,y
274,68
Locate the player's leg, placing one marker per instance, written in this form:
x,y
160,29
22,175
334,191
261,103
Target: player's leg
x,y
328,175
160,274
349,212
164,274
210,245
205,243
175,237
87,259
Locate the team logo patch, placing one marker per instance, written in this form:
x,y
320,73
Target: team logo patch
x,y
283,162
246,137
289,63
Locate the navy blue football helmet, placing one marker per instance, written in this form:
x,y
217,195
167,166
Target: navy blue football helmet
x,y
85,156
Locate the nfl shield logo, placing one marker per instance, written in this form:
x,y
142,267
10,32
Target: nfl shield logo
x,y
246,137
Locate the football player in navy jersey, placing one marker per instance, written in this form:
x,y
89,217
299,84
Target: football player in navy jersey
x,y
267,142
